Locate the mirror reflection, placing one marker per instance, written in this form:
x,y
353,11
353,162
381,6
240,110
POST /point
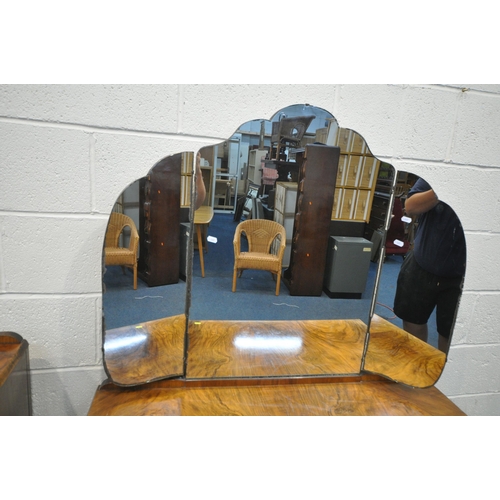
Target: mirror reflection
x,y
155,210
424,263
157,204
263,172
254,175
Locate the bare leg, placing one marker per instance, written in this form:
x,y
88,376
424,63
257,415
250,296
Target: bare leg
x,y
419,331
443,343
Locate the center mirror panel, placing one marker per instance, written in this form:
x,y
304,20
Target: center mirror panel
x,y
331,196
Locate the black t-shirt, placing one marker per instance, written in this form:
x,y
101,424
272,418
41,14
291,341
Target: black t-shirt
x,y
440,241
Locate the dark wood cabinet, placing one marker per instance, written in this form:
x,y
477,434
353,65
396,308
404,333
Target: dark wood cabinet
x,y
379,213
318,166
287,170
15,387
159,222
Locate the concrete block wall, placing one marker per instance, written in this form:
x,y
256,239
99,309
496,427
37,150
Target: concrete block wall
x,y
68,151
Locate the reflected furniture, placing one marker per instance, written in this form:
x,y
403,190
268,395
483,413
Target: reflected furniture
x,y
224,192
266,246
284,171
255,161
316,186
347,266
288,132
285,201
15,387
396,232
116,255
202,218
381,200
357,176
159,222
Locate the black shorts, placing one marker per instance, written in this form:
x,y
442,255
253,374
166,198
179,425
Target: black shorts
x,y
419,292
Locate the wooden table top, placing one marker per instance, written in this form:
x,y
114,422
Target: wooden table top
x,y
360,396
219,349
264,368
203,215
396,354
11,349
139,354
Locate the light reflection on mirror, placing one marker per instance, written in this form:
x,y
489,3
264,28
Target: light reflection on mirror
x,y
290,344
436,239
125,341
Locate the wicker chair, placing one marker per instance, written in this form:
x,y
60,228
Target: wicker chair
x,y
115,255
266,246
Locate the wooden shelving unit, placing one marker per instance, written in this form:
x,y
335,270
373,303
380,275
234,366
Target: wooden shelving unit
x,y
356,178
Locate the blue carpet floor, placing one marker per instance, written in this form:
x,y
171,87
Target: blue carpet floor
x,y
254,298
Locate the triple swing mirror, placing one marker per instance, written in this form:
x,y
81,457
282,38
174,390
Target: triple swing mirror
x,y
170,310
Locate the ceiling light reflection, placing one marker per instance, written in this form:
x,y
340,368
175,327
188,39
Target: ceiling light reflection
x,y
125,342
285,343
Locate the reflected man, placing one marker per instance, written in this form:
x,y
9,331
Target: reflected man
x,y
433,271
200,184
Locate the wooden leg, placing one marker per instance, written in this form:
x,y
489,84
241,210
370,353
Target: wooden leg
x,y
200,249
204,231
135,276
235,273
278,282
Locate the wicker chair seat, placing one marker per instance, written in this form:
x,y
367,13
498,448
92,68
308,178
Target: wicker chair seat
x,y
119,256
261,261
115,255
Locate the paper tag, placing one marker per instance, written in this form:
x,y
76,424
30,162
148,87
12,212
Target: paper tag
x,y
212,239
398,243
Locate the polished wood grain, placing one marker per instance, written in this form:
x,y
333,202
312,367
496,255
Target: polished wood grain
x,y
396,354
274,348
285,397
138,354
15,387
269,368
11,349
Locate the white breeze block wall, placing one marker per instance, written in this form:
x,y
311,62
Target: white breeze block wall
x,y
68,151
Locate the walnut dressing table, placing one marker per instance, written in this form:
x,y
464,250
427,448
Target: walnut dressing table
x,y
271,368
